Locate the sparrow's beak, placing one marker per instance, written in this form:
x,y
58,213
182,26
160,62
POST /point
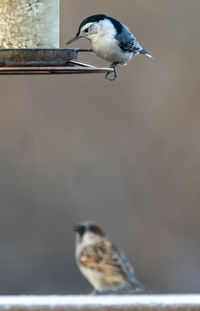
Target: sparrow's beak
x,y
73,39
78,226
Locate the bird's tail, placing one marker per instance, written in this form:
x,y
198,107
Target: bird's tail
x,y
142,51
137,287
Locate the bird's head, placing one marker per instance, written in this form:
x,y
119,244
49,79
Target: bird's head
x,y
93,27
88,232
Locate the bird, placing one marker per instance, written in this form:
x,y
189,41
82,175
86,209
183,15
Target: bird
x,y
109,39
103,264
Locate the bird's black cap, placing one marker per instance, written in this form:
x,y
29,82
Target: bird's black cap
x,y
99,17
91,19
82,227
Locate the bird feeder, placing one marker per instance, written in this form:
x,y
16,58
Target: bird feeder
x,y
29,40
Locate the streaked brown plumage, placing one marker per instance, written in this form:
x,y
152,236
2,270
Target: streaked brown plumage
x,y
101,262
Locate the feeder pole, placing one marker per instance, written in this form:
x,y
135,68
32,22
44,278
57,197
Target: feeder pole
x,y
29,24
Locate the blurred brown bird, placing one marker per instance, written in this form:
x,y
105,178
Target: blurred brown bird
x,y
102,263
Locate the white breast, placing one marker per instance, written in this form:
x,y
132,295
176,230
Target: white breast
x,y
106,46
94,277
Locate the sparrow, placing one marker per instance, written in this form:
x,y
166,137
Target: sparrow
x,y
101,262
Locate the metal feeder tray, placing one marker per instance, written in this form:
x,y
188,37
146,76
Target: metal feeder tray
x,y
45,61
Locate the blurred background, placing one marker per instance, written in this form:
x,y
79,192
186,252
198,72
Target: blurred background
x,y
124,154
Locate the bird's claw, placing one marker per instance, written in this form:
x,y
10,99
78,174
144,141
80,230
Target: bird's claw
x,y
115,75
93,293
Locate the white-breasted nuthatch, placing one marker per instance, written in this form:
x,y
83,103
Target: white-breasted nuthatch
x,y
110,40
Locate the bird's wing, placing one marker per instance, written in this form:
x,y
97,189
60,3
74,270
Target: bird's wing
x,y
107,258
128,44
100,256
127,268
127,41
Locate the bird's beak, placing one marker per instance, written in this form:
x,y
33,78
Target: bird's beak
x,y
73,39
78,226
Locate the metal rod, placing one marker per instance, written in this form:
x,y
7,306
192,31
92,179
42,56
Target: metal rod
x,y
80,63
53,70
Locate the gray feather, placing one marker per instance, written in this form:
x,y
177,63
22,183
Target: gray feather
x,y
127,270
127,41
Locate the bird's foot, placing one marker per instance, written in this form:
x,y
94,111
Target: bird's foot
x,y
115,75
93,293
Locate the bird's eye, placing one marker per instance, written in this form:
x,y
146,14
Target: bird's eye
x,y
86,30
81,231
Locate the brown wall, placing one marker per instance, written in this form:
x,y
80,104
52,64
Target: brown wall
x,y
125,154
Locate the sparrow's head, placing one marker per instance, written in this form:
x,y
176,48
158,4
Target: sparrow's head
x,y
88,232
95,26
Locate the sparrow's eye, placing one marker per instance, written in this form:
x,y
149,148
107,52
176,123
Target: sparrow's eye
x,y
80,229
86,30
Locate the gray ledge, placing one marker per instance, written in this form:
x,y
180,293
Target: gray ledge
x,y
112,303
